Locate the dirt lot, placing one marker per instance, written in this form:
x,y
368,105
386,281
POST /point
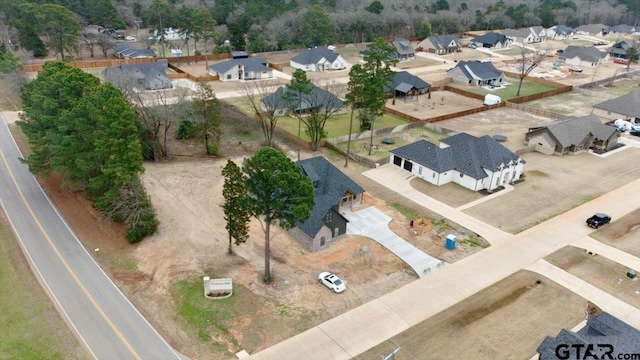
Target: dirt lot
x,y
506,321
623,233
439,103
598,271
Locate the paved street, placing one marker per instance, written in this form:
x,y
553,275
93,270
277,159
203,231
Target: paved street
x,y
370,324
104,320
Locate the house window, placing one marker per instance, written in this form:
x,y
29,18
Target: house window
x,y
419,170
323,241
336,232
434,175
461,175
228,76
329,217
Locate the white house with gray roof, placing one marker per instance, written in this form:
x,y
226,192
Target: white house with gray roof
x,y
145,76
404,50
253,68
592,29
560,32
572,136
441,44
530,35
318,59
476,73
622,107
585,56
475,163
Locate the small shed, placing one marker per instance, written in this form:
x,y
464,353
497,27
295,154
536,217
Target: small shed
x,y
491,99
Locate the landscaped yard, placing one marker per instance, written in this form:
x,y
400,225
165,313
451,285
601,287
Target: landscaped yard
x,y
337,125
512,51
528,88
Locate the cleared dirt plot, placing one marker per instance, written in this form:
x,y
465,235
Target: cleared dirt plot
x,y
439,103
509,122
451,194
568,104
555,184
623,233
599,271
505,321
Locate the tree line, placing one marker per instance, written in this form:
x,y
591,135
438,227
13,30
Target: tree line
x,y
87,132
266,25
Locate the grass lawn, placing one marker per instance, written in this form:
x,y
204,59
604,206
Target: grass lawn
x,y
337,125
30,327
528,88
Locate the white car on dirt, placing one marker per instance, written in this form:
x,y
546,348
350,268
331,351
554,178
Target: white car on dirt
x,y
332,282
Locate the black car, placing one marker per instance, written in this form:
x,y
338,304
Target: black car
x,y
598,220
634,132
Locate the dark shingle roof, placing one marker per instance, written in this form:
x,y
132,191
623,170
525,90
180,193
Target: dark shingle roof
x,y
317,97
588,53
592,28
443,41
563,30
479,70
125,50
403,46
313,56
623,28
250,64
404,81
466,154
331,184
601,329
149,75
490,38
521,33
572,131
628,105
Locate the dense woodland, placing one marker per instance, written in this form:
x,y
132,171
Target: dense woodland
x,y
263,25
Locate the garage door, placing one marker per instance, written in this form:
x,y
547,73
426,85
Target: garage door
x,y
408,165
397,160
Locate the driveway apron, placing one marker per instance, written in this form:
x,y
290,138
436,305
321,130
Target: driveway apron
x,y
374,224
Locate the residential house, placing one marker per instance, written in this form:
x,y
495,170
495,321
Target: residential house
x,y
572,136
318,59
592,29
620,48
623,29
253,68
404,50
588,56
530,35
492,40
283,101
405,84
146,76
441,44
126,51
560,32
475,163
603,337
622,107
333,191
476,73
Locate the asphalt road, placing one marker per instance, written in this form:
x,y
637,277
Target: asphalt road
x,y
102,318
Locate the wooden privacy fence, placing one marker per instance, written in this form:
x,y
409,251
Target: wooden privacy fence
x,y
523,99
463,92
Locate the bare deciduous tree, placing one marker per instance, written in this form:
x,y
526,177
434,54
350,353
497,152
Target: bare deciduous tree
x,y
268,112
529,60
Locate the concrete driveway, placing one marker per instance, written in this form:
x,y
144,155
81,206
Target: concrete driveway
x,y
374,224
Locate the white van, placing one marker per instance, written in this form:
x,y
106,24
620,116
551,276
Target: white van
x,y
491,99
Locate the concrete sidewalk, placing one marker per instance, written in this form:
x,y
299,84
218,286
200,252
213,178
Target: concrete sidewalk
x,y
604,300
374,224
360,329
397,179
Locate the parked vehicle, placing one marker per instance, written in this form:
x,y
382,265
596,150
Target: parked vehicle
x,y
598,220
634,132
599,43
332,282
625,125
472,46
575,69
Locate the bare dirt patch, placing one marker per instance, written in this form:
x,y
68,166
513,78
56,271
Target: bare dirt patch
x,y
623,233
506,321
598,271
436,104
